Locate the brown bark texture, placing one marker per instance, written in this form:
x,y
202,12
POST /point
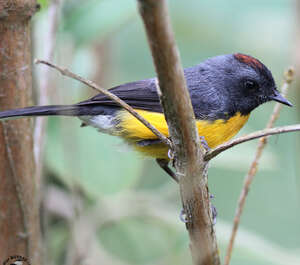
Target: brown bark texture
x,y
191,169
19,202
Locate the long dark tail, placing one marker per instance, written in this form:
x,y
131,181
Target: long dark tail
x,y
63,110
59,110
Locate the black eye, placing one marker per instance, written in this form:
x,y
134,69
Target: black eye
x,y
250,85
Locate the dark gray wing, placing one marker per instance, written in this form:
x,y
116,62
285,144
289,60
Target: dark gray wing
x,y
206,100
140,95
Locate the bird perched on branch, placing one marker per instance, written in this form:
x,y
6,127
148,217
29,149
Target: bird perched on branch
x,y
223,90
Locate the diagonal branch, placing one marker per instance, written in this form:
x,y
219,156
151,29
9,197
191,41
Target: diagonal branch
x,y
190,167
251,136
289,75
113,97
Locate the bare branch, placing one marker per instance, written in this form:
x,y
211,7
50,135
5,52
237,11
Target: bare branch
x,y
251,136
113,97
289,75
175,99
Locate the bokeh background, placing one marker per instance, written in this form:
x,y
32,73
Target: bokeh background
x,y
106,204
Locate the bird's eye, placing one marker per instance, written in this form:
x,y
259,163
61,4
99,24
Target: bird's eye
x,y
250,85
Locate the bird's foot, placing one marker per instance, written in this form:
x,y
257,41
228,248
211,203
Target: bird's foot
x,y
172,156
164,164
204,143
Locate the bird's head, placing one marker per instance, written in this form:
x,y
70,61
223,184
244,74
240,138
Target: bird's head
x,y
246,81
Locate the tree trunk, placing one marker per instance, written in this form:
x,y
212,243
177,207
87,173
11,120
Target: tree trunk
x,y
19,201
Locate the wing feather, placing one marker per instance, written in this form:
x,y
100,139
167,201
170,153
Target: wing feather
x,y
143,95
140,95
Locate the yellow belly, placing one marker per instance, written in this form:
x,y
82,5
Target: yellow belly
x,y
215,132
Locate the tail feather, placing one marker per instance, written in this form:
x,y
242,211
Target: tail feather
x,y
63,110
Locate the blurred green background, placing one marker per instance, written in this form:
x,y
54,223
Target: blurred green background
x,y
104,203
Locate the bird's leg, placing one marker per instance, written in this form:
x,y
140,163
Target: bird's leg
x,y
164,164
204,143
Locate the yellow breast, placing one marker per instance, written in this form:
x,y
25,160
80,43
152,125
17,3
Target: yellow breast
x,y
215,132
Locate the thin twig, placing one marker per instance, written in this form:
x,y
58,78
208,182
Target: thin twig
x,y
113,97
253,168
176,103
251,136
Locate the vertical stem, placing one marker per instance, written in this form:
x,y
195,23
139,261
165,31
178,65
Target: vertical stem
x,y
190,166
289,75
19,203
44,83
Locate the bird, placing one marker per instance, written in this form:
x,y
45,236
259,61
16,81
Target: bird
x,y
224,90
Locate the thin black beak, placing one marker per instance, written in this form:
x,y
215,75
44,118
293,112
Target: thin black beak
x,y
277,97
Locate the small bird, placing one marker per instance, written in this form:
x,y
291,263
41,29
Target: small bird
x,y
223,90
